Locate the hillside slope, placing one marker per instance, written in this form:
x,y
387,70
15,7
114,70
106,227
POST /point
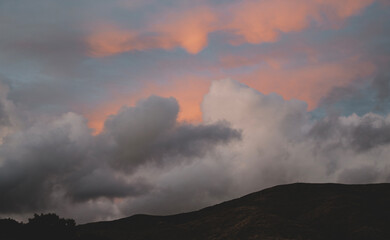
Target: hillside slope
x,y
294,211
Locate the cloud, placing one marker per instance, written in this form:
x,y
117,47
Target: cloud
x,y
187,29
282,142
370,95
310,82
145,161
359,133
381,84
4,118
148,132
35,159
8,120
251,21
146,157
60,158
189,99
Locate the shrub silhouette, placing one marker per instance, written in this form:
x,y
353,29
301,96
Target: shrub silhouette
x,y
51,220
10,227
43,226
50,226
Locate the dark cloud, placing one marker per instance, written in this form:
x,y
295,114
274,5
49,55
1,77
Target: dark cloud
x,y
37,160
279,144
193,140
372,132
381,84
60,157
145,161
149,133
361,175
361,133
103,182
4,119
359,97
128,136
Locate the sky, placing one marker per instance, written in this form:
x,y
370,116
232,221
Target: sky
x,y
113,108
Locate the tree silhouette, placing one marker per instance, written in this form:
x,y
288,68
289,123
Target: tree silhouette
x,y
51,226
51,220
10,227
42,227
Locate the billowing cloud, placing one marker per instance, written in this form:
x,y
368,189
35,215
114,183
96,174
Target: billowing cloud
x,y
58,158
280,143
144,161
282,140
66,74
359,97
53,68
189,99
148,133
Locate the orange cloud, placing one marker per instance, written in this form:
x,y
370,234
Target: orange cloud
x,y
262,21
309,83
252,21
188,92
110,41
188,29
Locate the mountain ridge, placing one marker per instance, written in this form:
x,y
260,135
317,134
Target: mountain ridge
x,y
290,211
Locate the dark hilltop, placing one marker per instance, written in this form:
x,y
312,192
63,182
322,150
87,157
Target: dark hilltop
x,y
294,211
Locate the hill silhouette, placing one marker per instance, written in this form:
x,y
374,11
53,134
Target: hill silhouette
x,y
295,211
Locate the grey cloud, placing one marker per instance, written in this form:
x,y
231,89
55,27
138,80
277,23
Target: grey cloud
x,y
48,33
193,140
35,161
45,54
103,182
8,119
361,175
361,134
275,151
132,131
4,119
372,132
148,133
145,161
59,158
360,96
381,84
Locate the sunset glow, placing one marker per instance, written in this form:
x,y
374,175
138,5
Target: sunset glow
x,y
122,107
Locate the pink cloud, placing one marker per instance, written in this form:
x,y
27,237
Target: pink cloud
x,y
311,82
188,29
188,91
251,21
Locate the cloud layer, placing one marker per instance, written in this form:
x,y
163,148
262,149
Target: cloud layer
x,y
69,66
250,21
60,158
144,161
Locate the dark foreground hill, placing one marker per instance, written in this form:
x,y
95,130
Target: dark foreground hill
x,y
295,211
